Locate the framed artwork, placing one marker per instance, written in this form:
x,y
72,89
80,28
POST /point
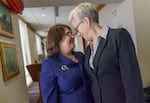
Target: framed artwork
x,y
5,21
9,60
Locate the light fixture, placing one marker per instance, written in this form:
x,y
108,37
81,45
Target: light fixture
x,y
43,12
56,10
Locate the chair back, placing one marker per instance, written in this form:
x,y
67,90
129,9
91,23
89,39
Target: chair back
x,y
34,71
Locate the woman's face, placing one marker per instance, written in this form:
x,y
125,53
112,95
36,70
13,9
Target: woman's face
x,y
82,28
67,43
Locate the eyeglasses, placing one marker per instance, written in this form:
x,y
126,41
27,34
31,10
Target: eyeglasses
x,y
76,28
69,34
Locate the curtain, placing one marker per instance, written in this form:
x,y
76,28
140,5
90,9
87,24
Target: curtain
x,y
16,6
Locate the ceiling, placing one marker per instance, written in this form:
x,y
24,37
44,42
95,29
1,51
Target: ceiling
x,y
40,15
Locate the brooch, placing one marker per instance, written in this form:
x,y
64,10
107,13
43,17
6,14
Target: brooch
x,y
64,67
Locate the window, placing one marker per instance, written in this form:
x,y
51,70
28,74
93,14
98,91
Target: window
x,y
25,49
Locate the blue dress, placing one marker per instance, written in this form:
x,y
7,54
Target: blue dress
x,y
64,81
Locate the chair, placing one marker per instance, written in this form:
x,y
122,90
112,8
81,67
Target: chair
x,y
34,71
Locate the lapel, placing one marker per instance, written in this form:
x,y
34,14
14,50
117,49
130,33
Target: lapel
x,y
101,46
87,65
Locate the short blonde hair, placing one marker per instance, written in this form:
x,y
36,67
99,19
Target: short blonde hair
x,y
84,10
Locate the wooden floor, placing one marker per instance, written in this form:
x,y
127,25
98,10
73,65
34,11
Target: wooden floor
x,y
34,93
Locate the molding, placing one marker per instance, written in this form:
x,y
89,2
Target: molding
x,y
100,7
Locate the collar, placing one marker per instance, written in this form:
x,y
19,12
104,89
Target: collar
x,y
103,32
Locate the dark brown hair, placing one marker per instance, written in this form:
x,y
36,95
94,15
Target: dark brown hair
x,y
55,35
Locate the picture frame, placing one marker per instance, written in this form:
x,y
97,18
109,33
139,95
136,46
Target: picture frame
x,y
6,28
9,60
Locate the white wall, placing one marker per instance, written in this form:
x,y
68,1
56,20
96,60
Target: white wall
x,y
119,15
78,44
142,27
33,45
14,90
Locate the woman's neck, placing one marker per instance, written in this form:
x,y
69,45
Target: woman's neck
x,y
71,56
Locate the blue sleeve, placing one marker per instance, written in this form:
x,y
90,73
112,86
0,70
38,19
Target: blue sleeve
x,y
48,84
129,68
85,77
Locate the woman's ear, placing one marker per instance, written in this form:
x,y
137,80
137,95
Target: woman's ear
x,y
87,20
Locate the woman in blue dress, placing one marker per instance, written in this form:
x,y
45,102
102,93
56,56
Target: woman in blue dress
x,y
62,78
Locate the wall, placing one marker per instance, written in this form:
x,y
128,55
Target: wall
x,y
142,27
134,15
14,90
78,46
33,47
119,15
